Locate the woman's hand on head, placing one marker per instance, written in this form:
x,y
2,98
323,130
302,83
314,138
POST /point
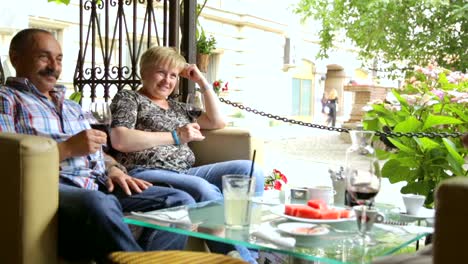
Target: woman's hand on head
x,y
192,73
190,132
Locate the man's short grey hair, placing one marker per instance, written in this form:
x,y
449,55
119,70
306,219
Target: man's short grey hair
x,y
23,38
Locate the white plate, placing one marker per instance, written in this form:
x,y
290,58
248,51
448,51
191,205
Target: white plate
x,y
266,201
302,229
424,213
279,210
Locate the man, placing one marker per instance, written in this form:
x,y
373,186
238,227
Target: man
x,y
91,196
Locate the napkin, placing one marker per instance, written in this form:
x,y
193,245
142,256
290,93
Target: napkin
x,y
179,216
274,237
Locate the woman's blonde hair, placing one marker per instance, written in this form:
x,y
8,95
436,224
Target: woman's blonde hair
x,y
157,55
332,94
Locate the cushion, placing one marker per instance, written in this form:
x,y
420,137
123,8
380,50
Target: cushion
x,y
171,257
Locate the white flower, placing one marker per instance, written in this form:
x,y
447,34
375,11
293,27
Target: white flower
x,y
367,108
411,99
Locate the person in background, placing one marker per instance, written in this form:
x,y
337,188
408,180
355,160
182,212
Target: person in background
x,y
331,103
324,102
92,195
151,131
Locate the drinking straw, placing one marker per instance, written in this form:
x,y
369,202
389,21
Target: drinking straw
x,y
253,162
247,212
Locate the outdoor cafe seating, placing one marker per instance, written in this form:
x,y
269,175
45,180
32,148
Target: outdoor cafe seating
x,y
29,165
29,222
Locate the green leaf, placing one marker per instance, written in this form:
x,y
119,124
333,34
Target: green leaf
x,y
66,2
401,146
452,150
371,124
379,108
382,154
411,161
455,167
394,172
76,97
399,98
420,187
427,143
411,124
462,114
436,120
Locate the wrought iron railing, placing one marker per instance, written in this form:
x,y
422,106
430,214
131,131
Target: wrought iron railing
x,y
117,33
2,74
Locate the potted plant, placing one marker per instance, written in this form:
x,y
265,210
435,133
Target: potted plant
x,y
432,99
205,46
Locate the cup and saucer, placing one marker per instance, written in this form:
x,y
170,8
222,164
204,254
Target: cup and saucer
x,y
414,208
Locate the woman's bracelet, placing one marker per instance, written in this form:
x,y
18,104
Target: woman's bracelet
x,y
203,89
175,137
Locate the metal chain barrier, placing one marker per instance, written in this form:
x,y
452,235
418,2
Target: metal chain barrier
x,y
339,129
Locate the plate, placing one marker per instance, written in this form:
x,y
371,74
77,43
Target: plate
x,y
266,201
424,213
302,229
279,210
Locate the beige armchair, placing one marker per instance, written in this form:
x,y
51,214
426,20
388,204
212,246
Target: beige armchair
x,y
29,167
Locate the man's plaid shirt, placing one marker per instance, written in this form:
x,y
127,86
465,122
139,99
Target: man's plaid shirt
x,y
24,110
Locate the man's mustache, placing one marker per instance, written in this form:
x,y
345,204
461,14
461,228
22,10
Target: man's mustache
x,y
49,72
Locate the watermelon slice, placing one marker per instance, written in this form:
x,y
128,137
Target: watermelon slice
x,y
345,213
331,214
317,204
291,209
308,212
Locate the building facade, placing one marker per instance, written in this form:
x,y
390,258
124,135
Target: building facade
x,y
265,54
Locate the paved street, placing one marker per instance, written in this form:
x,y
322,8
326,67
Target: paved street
x,y
305,154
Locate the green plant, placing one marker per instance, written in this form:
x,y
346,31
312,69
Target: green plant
x,y
238,114
75,96
407,32
431,99
205,45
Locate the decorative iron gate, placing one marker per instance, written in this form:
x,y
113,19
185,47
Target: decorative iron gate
x,y
117,33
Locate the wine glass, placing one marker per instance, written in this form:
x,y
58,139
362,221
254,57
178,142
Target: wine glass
x,y
100,118
362,172
195,105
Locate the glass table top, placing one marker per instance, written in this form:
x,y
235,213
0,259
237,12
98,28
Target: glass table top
x,y
340,245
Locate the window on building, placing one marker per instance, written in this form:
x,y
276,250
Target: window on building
x,y
301,97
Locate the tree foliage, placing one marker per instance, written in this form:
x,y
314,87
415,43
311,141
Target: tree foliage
x,y
404,32
66,2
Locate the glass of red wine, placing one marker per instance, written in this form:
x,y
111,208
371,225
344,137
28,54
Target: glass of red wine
x,y
100,118
195,105
362,172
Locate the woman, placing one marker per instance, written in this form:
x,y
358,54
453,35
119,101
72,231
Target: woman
x,y
151,131
332,100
